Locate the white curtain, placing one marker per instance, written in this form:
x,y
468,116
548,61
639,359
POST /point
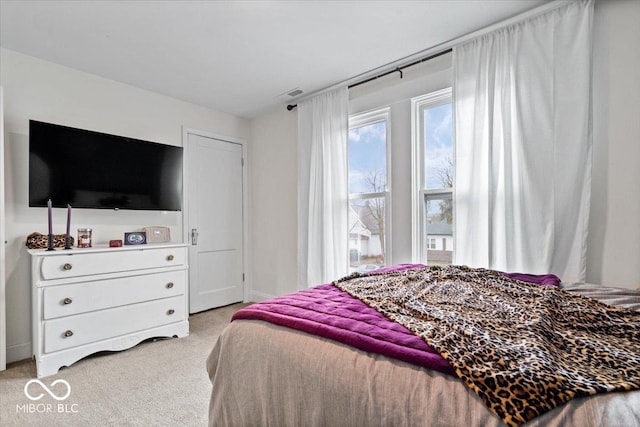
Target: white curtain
x,y
523,145
323,126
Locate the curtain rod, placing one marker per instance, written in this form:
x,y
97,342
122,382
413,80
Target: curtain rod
x,y
395,70
447,46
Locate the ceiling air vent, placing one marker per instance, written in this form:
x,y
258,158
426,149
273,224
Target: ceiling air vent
x,y
295,92
289,95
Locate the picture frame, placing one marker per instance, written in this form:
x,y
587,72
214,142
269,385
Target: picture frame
x,y
135,238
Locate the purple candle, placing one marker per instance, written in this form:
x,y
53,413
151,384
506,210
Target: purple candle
x,y
50,218
68,220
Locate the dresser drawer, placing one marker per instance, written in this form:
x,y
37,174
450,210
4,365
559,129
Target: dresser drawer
x,y
66,300
74,265
72,331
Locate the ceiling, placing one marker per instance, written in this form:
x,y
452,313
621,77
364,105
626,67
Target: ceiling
x,y
239,57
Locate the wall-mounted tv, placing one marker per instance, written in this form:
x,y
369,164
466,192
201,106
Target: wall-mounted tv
x,y
87,169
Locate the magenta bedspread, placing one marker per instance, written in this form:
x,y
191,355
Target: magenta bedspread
x,y
331,313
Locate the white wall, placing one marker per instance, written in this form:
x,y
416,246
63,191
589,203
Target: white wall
x,y
613,256
40,90
614,235
273,215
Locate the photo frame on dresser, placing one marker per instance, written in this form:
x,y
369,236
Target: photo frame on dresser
x,y
135,238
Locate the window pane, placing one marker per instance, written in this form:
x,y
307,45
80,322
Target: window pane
x,y
438,147
366,234
439,229
368,158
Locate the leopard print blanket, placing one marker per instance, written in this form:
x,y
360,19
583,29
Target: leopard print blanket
x,y
523,348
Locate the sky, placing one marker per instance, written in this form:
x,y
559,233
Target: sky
x,y
367,156
438,143
367,149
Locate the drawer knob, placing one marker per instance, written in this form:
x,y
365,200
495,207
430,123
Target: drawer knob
x,y
170,311
67,301
169,285
68,333
67,266
169,257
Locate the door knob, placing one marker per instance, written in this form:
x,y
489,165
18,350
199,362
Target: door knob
x,y
194,236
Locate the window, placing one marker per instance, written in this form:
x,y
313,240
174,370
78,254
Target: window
x,y
369,194
433,154
432,243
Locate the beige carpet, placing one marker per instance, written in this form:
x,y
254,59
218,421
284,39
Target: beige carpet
x,y
156,383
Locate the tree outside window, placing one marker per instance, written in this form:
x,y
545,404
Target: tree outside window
x,y
368,190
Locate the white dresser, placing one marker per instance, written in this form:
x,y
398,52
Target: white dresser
x,y
101,298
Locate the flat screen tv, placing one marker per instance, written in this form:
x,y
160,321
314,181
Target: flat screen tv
x,y
87,169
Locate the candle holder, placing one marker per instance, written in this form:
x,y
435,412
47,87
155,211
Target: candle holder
x,y
50,242
67,242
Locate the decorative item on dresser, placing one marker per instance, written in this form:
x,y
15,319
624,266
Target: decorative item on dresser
x,y
135,238
157,234
101,298
37,240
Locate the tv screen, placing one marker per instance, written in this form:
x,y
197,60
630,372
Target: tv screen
x,y
87,169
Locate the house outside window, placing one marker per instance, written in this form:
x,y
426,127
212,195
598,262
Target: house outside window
x,y
369,195
433,172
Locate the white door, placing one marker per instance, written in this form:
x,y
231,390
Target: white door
x,y
214,170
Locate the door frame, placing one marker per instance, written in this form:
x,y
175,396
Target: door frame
x,y
186,131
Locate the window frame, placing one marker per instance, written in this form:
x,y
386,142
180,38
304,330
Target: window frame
x,y
419,245
363,119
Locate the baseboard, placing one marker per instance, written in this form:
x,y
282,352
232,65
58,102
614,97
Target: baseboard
x,y
259,296
18,352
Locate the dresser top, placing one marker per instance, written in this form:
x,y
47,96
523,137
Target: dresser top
x,y
103,248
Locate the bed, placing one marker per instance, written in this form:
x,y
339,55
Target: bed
x,y
269,373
